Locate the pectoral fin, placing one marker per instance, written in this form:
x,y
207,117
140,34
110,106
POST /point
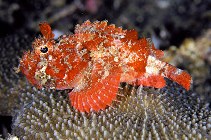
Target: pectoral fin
x,y
98,94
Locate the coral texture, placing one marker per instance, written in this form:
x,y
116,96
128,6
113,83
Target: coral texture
x,y
197,56
12,47
143,113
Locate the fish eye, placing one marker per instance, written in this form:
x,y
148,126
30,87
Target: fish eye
x,y
44,49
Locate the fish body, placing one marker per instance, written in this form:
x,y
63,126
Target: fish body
x,y
93,61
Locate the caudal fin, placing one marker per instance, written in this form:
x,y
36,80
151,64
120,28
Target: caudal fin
x,y
158,67
178,75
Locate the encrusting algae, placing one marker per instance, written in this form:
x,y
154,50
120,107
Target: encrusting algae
x,y
93,61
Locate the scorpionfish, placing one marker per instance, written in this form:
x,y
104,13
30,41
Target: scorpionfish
x,y
93,61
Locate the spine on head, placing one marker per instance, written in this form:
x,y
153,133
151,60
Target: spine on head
x,y
46,31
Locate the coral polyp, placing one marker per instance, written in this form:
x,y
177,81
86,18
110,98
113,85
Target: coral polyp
x,y
145,113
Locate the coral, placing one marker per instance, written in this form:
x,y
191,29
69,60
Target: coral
x,y
196,52
10,137
12,47
143,113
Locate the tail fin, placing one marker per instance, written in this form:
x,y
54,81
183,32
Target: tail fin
x,y
158,67
178,75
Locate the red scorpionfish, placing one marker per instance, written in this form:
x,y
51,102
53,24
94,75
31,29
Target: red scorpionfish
x,y
93,61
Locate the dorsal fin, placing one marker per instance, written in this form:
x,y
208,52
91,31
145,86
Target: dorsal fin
x,y
46,31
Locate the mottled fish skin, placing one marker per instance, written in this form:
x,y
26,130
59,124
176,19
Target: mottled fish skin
x,y
93,61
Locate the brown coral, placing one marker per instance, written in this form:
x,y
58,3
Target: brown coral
x,y
196,53
11,49
169,113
